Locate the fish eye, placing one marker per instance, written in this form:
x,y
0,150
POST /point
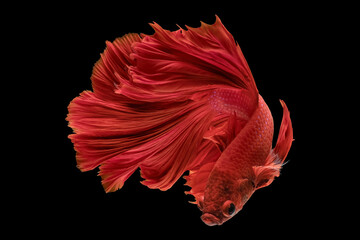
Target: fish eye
x,y
231,209
228,208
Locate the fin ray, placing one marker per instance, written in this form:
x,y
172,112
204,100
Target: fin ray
x,y
150,107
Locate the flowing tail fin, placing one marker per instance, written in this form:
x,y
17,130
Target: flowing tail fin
x,y
151,107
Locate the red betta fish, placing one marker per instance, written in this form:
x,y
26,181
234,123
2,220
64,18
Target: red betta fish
x,y
179,101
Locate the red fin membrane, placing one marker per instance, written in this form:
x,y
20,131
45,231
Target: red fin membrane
x,y
285,137
111,71
151,106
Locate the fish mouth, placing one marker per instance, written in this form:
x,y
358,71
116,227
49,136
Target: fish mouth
x,y
210,220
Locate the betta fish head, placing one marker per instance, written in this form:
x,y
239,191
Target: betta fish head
x,y
224,197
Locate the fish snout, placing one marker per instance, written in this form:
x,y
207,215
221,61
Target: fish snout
x,y
210,220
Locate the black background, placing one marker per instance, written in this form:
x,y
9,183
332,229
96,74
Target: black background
x,y
283,45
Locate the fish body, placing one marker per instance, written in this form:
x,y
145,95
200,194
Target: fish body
x,y
179,101
232,178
